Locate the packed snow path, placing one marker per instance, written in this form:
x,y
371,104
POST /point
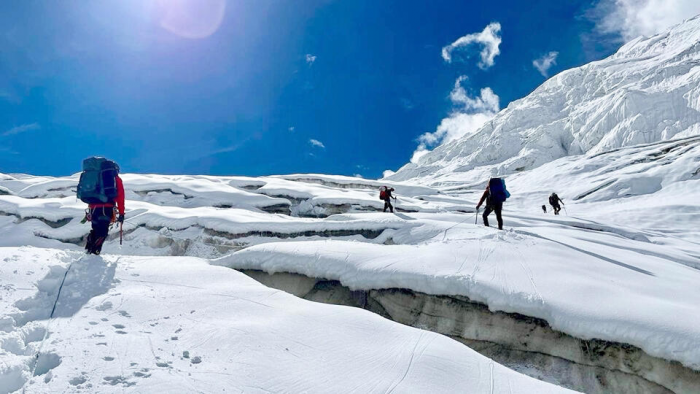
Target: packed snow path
x,y
172,325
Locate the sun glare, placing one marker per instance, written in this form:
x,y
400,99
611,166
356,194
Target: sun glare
x,y
193,19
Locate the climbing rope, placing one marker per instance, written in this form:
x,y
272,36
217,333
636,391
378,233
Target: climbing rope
x,y
48,324
444,235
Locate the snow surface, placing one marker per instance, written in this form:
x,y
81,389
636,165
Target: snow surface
x,y
543,267
173,325
585,282
653,187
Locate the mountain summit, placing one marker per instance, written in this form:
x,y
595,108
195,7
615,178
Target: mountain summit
x,y
648,91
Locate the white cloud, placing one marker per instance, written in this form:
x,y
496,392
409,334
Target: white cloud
x,y
487,102
317,143
471,113
421,151
310,59
226,149
291,129
489,38
544,63
21,129
388,173
632,18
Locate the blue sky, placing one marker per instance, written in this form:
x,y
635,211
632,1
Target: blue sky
x,y
261,87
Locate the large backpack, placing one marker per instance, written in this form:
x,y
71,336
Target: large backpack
x,y
553,199
98,182
497,190
382,193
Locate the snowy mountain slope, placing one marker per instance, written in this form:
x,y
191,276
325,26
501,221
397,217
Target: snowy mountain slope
x,y
180,325
654,187
648,91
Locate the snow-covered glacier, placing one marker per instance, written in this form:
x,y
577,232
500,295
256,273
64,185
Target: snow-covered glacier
x,y
300,283
177,325
648,91
585,304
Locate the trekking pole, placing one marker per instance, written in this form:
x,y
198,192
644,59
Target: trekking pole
x,y
567,213
121,233
476,216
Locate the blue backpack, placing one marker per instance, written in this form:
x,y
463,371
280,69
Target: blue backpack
x,y
98,182
497,190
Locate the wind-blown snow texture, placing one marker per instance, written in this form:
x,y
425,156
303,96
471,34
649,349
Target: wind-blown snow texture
x,y
644,282
590,284
648,91
176,325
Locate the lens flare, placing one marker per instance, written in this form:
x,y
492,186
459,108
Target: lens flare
x,y
193,19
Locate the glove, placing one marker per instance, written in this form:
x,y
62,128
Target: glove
x,y
121,219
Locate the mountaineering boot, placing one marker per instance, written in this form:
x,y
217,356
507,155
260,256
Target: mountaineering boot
x,y
97,248
89,244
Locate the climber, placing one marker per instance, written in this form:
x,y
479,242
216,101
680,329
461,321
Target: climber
x,y
102,189
494,195
385,195
554,201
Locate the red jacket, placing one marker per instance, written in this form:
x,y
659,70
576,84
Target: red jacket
x,y
119,200
484,196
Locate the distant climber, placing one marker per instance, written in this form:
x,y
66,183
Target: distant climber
x,y
102,189
385,195
494,195
544,208
554,201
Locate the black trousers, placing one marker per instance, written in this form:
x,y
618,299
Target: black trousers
x,y
101,219
387,204
557,208
494,207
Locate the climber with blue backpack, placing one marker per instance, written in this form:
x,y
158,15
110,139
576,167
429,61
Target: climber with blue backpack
x,y
102,189
494,195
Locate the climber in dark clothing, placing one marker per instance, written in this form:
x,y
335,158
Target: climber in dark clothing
x,y
386,196
554,201
102,215
101,218
491,206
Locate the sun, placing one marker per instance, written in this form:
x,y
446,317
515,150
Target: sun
x,y
193,19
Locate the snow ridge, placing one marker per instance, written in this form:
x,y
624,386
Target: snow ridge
x,y
648,91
